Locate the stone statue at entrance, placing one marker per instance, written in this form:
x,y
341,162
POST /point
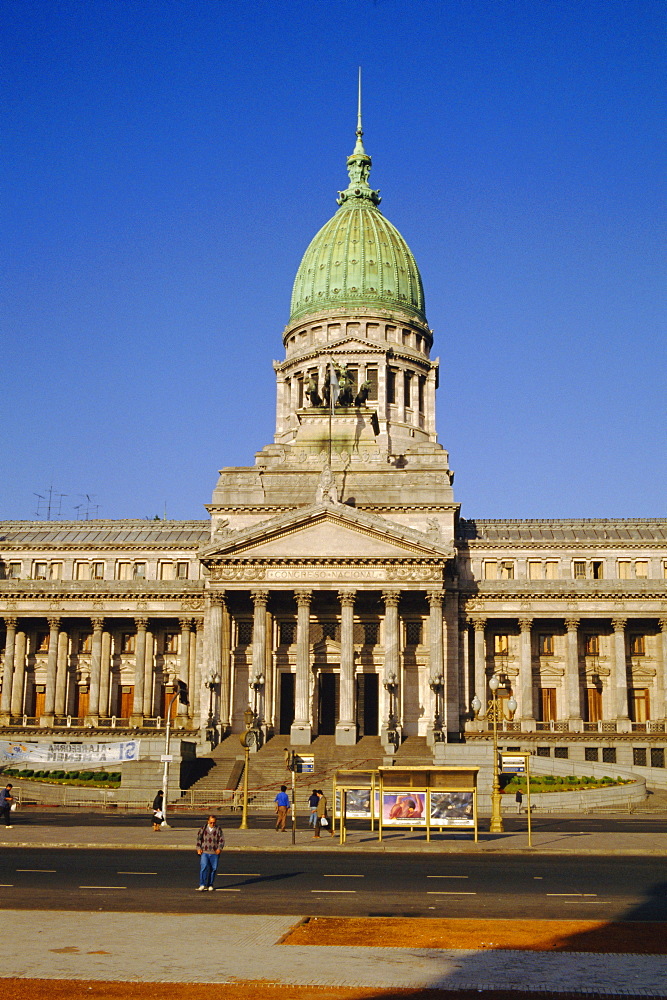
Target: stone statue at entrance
x,y
327,491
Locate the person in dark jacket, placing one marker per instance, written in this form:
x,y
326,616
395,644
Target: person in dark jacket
x,y
6,803
158,815
210,841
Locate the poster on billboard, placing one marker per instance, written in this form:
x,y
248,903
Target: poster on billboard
x,y
404,808
358,803
452,809
20,751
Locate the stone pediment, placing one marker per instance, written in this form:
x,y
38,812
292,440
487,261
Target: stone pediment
x,y
327,531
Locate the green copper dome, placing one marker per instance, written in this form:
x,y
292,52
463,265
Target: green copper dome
x,y
358,258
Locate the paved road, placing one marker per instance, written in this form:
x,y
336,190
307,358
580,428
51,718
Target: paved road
x,y
290,882
57,817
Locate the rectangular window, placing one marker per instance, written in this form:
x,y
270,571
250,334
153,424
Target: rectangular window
x,y
40,571
501,645
128,642
624,569
490,570
422,387
372,377
98,571
551,570
664,570
543,752
299,392
639,705
641,569
579,569
56,571
14,571
592,645
534,570
639,756
171,642
637,645
182,570
244,632
608,755
507,571
124,571
593,705
657,757
82,571
139,571
591,753
407,390
562,752
598,569
546,645
286,633
413,633
166,571
371,633
353,374
391,386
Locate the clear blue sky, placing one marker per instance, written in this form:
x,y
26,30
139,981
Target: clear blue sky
x,y
167,163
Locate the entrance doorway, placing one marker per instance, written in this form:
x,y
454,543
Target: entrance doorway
x,y
286,716
548,704
328,704
367,704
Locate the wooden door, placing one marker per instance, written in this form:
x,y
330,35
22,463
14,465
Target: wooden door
x,y
40,701
639,705
594,703
126,701
548,704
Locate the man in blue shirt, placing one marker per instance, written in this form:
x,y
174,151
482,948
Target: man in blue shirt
x,y
6,802
282,808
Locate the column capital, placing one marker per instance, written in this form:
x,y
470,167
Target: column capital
x,y
479,624
303,598
347,598
97,623
662,622
10,621
186,624
525,624
259,597
53,622
435,598
391,598
141,624
218,598
572,624
619,624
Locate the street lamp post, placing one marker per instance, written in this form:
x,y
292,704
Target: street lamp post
x,y
493,711
246,739
436,685
181,693
391,686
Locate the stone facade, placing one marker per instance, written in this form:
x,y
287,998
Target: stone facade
x,y
334,587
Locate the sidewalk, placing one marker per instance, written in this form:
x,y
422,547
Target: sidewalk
x,y
27,832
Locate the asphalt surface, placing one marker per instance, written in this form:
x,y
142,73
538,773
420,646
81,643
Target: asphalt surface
x,y
562,887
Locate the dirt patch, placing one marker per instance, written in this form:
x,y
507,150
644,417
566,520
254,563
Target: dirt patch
x,y
519,935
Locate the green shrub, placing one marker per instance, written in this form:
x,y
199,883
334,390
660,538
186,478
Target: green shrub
x,y
73,774
571,778
28,773
102,775
549,779
86,775
57,774
115,776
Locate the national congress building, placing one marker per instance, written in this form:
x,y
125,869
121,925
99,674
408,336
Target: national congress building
x,y
335,586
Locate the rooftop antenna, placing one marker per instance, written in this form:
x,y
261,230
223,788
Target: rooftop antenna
x,y
86,509
360,130
49,503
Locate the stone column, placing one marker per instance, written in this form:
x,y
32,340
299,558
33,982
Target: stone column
x,y
301,732
139,670
429,402
95,670
8,670
197,671
105,674
619,677
479,624
572,685
436,658
19,674
346,727
259,599
184,665
465,695
61,672
51,667
392,663
226,671
661,688
400,394
526,710
149,676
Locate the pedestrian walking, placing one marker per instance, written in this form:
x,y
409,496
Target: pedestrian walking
x,y
322,821
6,803
312,804
518,798
210,841
282,808
158,814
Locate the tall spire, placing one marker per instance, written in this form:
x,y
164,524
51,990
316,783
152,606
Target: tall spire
x,y
359,167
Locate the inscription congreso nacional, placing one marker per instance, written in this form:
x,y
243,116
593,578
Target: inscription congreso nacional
x,y
335,587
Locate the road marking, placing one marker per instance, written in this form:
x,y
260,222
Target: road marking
x,y
447,876
571,894
442,892
538,876
136,873
329,891
227,890
52,870
102,887
6,885
343,876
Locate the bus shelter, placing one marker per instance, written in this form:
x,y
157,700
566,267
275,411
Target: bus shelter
x,y
441,798
355,796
